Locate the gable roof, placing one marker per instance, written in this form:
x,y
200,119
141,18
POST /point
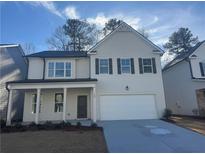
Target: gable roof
x,y
182,56
125,25
58,54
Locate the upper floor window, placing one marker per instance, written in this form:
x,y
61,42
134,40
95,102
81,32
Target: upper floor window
x,y
104,66
59,69
125,65
147,65
202,68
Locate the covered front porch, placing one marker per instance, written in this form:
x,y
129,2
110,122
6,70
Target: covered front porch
x,y
56,101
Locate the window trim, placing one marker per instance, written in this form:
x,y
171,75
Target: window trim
x,y
147,65
130,70
108,66
54,73
58,102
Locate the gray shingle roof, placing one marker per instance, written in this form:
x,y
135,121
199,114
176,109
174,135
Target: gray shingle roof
x,y
58,54
182,56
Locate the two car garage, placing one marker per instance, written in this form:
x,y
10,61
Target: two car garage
x,y
127,107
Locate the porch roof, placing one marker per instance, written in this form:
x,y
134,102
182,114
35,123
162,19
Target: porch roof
x,y
51,83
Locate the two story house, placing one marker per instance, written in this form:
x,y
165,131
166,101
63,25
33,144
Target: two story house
x,y
13,67
119,78
184,82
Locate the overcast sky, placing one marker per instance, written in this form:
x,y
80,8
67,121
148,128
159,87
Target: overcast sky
x,y
34,22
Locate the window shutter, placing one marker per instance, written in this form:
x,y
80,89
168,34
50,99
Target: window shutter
x,y
97,66
154,65
132,66
140,65
110,65
118,66
201,68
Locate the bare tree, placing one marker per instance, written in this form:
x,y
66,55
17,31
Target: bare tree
x,y
28,48
59,41
80,32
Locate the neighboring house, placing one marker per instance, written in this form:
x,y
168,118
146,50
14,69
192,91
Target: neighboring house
x,y
12,67
184,82
119,78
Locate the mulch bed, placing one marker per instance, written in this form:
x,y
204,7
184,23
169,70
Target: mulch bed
x,y
40,127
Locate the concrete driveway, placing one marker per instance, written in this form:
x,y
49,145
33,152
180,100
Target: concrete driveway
x,y
150,136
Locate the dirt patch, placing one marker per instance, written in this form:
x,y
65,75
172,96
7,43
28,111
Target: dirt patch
x,y
193,123
60,141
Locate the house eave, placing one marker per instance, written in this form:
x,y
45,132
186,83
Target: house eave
x,y
48,84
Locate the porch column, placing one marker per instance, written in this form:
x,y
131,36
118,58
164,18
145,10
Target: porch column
x,y
37,105
94,105
8,119
64,103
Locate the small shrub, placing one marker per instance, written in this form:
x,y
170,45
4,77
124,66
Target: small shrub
x,y
49,124
78,124
94,125
18,125
2,123
67,124
195,111
202,112
63,124
167,113
32,124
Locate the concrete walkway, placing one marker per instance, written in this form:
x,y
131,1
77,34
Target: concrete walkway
x,y
150,136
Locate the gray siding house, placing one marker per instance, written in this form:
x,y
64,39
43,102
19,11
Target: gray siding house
x,y
184,82
13,67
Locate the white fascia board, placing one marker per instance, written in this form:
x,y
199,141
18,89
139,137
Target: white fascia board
x,y
50,85
7,46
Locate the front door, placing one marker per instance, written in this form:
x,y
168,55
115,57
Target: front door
x,y
82,107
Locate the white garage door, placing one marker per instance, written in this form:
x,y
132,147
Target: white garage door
x,y
125,107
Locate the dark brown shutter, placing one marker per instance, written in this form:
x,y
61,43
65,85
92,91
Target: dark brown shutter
x,y
97,66
118,66
110,65
154,65
140,66
132,66
201,68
